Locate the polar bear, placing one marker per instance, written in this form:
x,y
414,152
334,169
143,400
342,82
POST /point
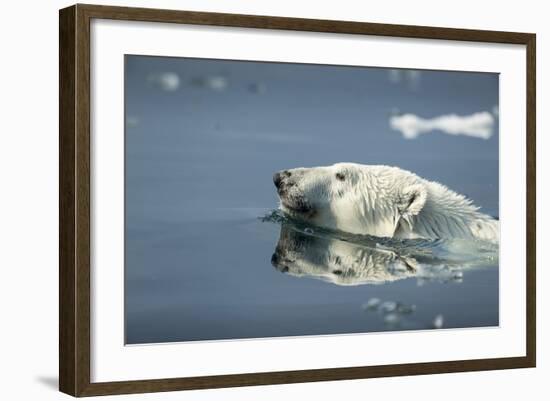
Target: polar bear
x,y
381,201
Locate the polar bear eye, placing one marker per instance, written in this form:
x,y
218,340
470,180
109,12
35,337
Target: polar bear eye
x,y
340,176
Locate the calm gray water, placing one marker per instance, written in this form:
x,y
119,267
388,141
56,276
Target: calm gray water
x,y
207,255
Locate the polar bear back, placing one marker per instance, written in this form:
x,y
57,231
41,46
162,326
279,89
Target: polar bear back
x,y
447,214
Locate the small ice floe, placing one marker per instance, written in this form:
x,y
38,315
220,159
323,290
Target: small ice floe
x,y
392,313
371,304
477,125
438,322
216,83
392,319
308,230
405,309
411,78
388,306
167,81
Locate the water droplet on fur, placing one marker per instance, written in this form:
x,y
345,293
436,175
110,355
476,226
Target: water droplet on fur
x,y
308,231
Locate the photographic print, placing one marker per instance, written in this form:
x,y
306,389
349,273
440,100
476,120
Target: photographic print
x,y
268,199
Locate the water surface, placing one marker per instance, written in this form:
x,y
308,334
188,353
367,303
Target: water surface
x,y
238,276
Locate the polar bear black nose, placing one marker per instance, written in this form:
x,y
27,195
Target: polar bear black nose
x,y
277,179
279,176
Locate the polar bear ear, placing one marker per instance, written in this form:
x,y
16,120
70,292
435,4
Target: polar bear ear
x,y
412,199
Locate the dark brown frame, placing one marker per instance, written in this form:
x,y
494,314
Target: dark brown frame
x,y
74,199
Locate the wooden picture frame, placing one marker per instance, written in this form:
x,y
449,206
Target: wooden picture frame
x,y
74,200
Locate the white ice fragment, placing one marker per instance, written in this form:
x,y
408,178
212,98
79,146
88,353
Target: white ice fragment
x,y
438,322
371,304
167,81
477,125
391,318
388,306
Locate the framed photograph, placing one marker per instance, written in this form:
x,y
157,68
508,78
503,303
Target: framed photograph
x,y
250,200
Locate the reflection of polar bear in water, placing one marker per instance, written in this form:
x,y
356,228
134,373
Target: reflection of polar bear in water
x,y
382,201
346,263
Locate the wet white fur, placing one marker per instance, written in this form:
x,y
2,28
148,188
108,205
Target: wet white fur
x,y
386,202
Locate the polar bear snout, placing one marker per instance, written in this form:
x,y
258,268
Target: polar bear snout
x,y
280,178
292,197
277,179
283,181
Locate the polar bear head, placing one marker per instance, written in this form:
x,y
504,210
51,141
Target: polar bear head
x,y
350,197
